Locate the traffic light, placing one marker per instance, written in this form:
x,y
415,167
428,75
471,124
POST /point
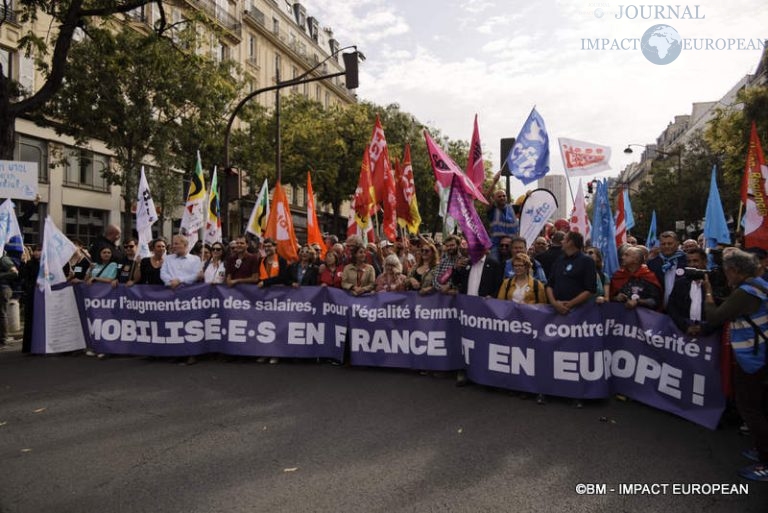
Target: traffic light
x,y
350,69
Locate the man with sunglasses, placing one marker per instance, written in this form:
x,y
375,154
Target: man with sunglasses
x,y
241,266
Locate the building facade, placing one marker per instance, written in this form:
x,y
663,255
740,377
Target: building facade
x,y
270,40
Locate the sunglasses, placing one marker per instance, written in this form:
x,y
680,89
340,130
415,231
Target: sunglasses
x,y
128,246
591,253
217,249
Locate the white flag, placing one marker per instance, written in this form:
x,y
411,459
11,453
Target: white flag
x,y
582,158
579,216
9,225
57,250
146,215
538,207
193,217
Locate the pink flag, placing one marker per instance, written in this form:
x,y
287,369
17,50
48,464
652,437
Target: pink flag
x,y
445,169
579,215
475,169
582,158
462,209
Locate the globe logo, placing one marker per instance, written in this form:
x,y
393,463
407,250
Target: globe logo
x,y
661,44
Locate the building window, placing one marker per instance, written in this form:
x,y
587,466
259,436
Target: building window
x,y
299,196
275,25
29,149
6,61
85,169
31,220
86,224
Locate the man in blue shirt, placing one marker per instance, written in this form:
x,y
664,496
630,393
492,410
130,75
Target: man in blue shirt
x,y
573,279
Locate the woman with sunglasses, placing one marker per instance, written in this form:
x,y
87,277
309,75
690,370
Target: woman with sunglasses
x,y
422,273
214,270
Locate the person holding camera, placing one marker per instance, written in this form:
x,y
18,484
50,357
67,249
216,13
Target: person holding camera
x,y
635,284
686,302
747,310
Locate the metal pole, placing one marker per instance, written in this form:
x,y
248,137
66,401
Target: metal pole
x,y
278,149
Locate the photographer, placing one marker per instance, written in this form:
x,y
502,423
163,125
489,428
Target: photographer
x,y
747,310
686,302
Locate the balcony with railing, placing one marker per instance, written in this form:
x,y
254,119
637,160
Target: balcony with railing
x,y
255,16
222,16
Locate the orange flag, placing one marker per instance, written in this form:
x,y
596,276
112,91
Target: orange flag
x,y
314,236
280,226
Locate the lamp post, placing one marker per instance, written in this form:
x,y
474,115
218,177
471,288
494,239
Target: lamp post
x,y
351,60
679,155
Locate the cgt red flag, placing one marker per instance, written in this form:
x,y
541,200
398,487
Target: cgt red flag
x,y
383,178
407,206
753,194
364,200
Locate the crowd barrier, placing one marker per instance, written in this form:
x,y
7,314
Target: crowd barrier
x,y
593,352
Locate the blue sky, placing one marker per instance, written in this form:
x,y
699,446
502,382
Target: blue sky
x,y
444,61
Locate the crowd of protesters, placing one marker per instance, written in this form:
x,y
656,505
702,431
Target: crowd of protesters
x,y
699,290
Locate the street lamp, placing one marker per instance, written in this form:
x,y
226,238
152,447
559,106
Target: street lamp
x,y
678,154
351,60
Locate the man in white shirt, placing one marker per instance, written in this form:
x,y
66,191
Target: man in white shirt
x,y
180,267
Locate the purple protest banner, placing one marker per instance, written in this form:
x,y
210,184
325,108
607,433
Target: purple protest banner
x,y
592,352
405,330
198,319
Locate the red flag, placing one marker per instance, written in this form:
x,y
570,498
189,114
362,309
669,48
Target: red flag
x,y
475,168
753,194
445,168
314,236
280,226
403,211
406,194
364,202
354,229
621,225
379,160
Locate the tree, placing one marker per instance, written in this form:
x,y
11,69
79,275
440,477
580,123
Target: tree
x,y
728,136
67,16
142,96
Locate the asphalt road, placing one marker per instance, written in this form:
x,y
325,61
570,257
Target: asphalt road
x,y
137,435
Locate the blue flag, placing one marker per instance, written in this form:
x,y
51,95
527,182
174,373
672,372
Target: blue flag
x,y
715,225
629,217
653,240
529,158
604,230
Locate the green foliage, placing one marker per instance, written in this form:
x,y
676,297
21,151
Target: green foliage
x,y
144,97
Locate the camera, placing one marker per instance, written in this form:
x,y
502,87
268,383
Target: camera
x,y
694,273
